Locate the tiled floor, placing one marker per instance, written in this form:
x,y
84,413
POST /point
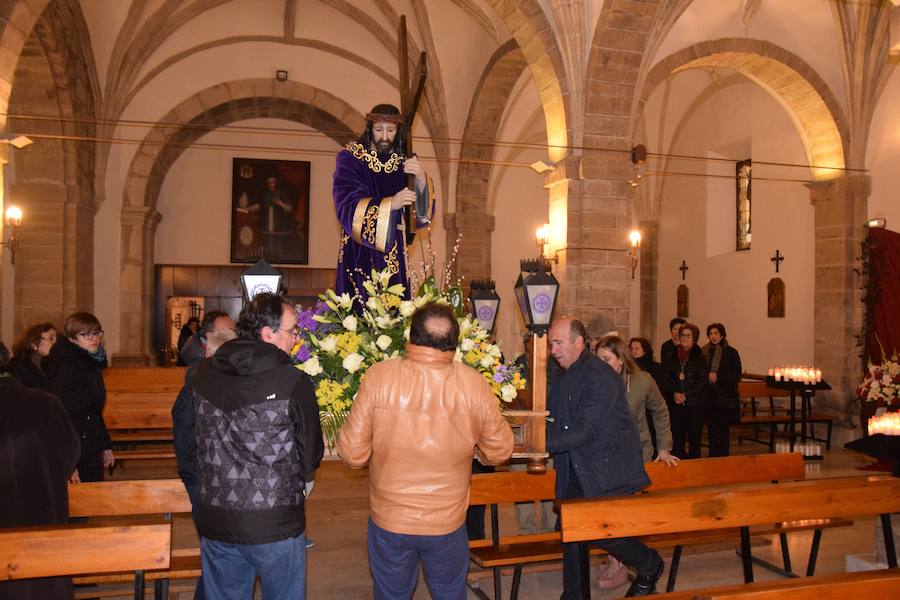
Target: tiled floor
x,y
338,512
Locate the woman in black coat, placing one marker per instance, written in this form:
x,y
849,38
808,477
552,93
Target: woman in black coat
x,y
29,351
686,377
75,375
724,365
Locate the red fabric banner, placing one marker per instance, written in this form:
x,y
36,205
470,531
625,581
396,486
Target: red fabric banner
x,y
884,285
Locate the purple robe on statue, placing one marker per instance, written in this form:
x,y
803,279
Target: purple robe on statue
x,y
372,235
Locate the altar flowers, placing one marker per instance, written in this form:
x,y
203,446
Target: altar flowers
x,y
341,337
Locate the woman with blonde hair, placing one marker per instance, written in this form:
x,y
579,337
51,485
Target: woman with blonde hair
x,y
643,397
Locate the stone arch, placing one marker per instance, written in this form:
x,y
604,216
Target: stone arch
x,y
53,177
806,97
204,112
534,35
472,217
16,22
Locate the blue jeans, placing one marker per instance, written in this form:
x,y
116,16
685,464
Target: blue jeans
x,y
394,562
229,570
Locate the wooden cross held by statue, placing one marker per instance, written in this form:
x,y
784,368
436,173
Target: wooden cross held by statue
x,y
409,104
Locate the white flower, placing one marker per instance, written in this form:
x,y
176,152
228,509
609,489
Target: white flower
x,y
312,367
397,289
407,308
345,300
329,344
350,323
352,362
466,345
372,303
508,392
383,322
383,342
486,361
406,334
458,356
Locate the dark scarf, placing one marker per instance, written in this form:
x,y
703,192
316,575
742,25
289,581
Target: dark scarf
x,y
716,351
682,353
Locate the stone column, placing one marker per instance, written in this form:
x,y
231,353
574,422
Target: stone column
x,y
840,217
473,258
595,266
136,287
648,269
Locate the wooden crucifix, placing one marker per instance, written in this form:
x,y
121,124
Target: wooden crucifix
x,y
409,104
684,269
777,260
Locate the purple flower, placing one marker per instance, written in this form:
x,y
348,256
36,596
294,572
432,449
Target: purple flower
x,y
321,308
303,353
305,321
499,377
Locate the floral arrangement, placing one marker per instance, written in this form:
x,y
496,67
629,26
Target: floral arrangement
x,y
340,338
881,384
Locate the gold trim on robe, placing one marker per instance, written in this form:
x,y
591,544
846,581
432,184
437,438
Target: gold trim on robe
x,y
371,158
359,215
383,228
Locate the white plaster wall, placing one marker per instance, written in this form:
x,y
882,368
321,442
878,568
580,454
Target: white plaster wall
x,y
882,155
804,27
731,288
463,49
195,199
519,203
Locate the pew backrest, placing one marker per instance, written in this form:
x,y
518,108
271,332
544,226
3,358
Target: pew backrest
x,y
518,486
683,511
83,549
759,389
144,379
129,497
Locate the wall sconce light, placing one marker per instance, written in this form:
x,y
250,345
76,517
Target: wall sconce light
x,y
879,223
638,164
281,75
13,220
542,236
16,141
540,166
635,238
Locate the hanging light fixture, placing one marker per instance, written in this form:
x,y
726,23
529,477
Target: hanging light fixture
x,y
485,303
260,278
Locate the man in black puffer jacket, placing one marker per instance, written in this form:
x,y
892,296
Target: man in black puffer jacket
x,y
258,442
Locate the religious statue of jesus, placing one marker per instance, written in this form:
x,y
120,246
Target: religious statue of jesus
x,y
370,194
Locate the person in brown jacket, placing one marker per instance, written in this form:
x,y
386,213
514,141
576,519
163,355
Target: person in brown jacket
x,y
417,421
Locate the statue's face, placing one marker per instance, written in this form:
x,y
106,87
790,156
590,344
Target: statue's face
x,y
384,134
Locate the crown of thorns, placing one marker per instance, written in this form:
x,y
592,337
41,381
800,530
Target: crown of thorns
x,y
384,118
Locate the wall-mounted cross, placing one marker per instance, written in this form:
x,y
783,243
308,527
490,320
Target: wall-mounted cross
x,y
683,268
777,260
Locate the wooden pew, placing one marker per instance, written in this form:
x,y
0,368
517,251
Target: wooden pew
x,y
867,585
679,511
63,550
137,497
753,390
138,410
516,551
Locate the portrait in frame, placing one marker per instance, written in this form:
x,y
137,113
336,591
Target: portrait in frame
x,y
270,211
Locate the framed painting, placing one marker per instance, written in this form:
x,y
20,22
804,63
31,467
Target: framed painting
x,y
270,211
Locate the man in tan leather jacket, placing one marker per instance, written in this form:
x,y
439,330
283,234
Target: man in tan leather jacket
x,y
417,422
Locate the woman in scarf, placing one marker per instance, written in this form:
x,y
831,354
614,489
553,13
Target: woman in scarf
x,y
724,364
75,376
686,378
